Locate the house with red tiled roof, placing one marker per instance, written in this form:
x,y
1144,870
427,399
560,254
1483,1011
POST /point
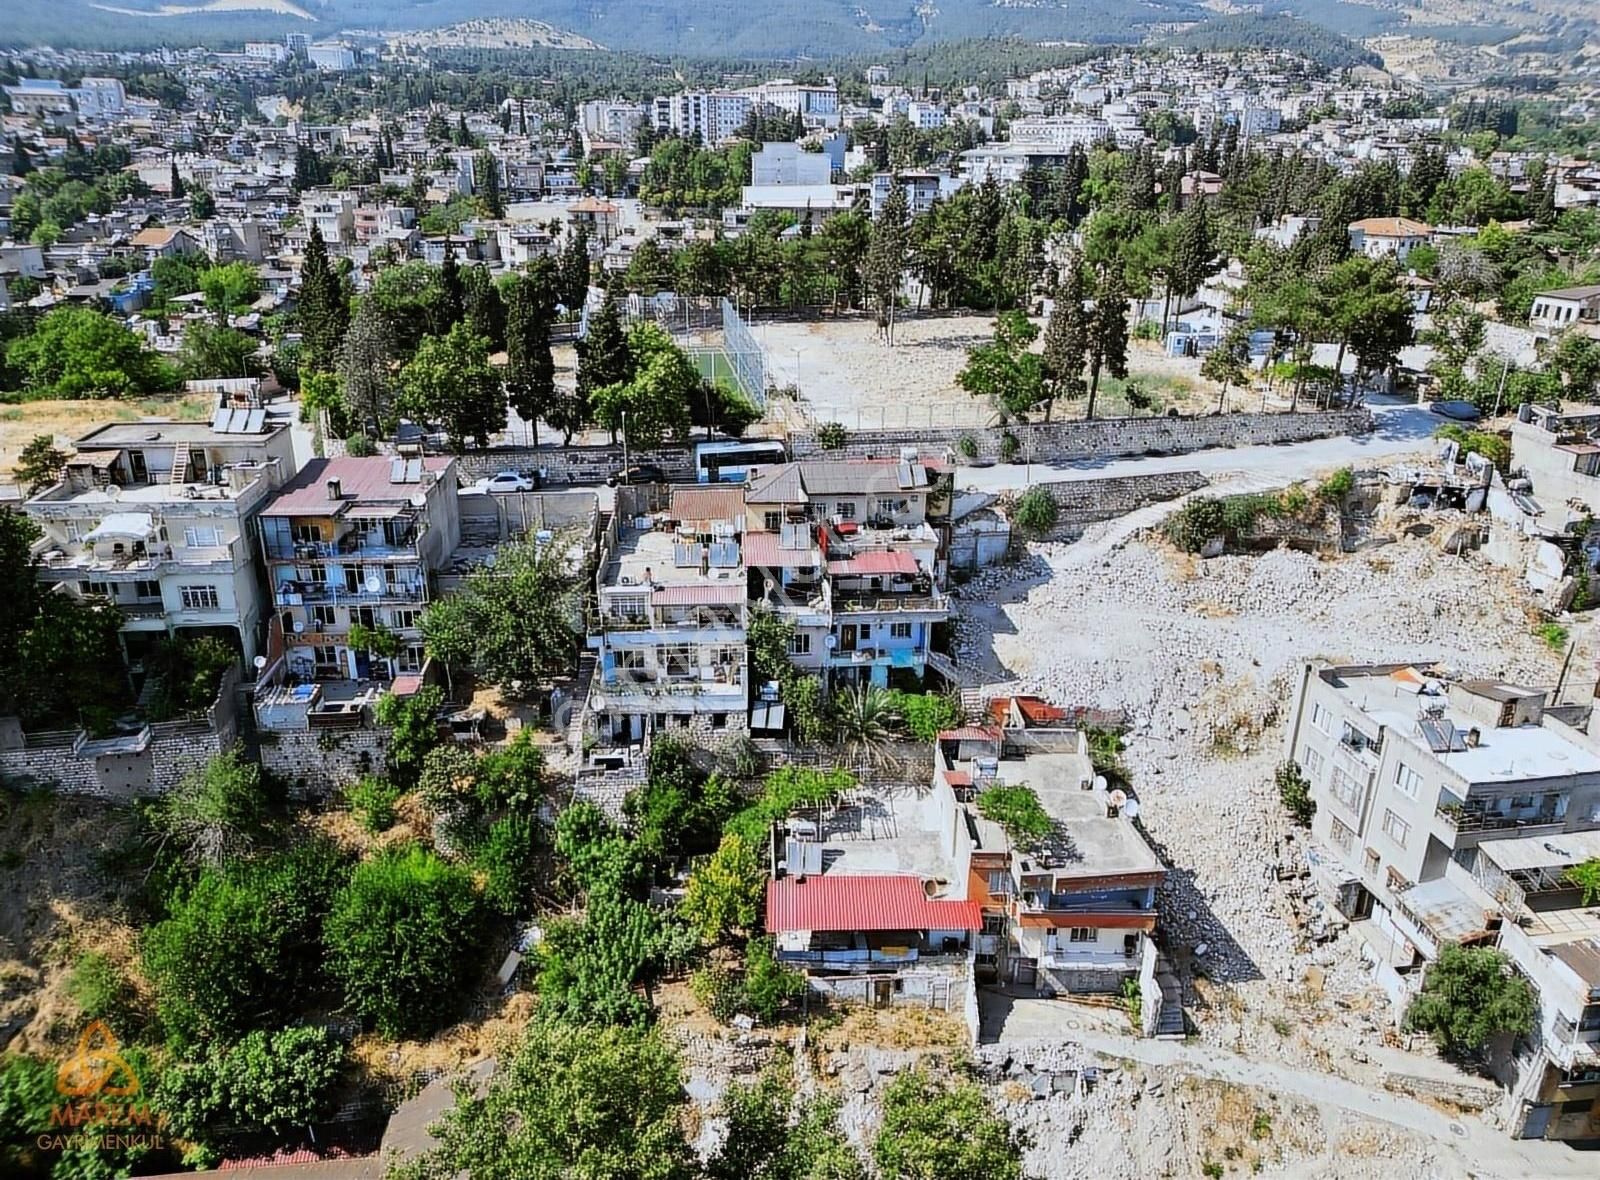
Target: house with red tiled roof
x,y
1388,237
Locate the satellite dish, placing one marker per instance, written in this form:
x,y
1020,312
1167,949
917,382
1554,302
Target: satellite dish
x,y
374,584
830,641
299,626
113,491
1119,797
1100,782
260,662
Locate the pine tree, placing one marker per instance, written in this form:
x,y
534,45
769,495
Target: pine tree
x,y
522,117
324,314
505,120
573,268
603,357
1108,337
463,136
486,171
530,368
1544,207
1066,338
175,183
1193,253
886,259
452,293
366,383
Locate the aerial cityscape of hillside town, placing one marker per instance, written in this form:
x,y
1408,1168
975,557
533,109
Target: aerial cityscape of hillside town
x,y
993,608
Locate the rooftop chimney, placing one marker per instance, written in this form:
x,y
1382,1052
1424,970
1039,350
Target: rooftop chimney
x,y
1473,738
335,489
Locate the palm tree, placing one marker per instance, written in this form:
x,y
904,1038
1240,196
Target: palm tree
x,y
863,721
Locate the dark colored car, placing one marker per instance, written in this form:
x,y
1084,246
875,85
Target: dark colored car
x,y
638,473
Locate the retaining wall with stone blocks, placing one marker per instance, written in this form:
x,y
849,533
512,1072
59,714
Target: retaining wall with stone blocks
x,y
1083,501
320,762
1057,442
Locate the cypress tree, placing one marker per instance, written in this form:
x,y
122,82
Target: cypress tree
x,y
1108,340
530,369
175,183
324,315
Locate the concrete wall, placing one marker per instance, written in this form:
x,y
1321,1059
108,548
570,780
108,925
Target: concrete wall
x,y
572,464
1105,437
1083,501
916,987
319,762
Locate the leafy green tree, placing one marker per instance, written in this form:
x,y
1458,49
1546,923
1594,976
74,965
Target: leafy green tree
x,y
512,624
725,890
323,311
404,940
769,986
1036,511
366,379
1295,793
241,949
210,350
450,381
176,274
1469,995
604,359
1229,362
202,205
932,1131
508,859
77,352
572,1104
229,287
863,723
1585,876
681,809
772,1135
39,465
926,714
413,724
1016,809
1457,336
1577,359
1368,311
573,269
655,401
1005,371
270,1082
484,311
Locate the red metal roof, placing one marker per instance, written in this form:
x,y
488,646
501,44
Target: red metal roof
x,y
970,733
864,903
766,551
1034,710
876,561
722,595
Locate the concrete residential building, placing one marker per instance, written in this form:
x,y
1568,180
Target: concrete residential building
x,y
1070,913
1560,455
668,628
855,552
1554,310
789,164
351,541
1388,237
711,115
1411,774
157,517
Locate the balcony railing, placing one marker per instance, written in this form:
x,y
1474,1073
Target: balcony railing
x,y
845,602
307,594
1472,819
1062,955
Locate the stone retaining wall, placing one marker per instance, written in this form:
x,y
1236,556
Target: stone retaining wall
x,y
1084,501
1103,437
320,762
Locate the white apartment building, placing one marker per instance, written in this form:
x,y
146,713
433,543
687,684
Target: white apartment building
x,y
331,57
268,51
1059,131
158,518
796,98
1412,773
789,164
612,119
712,115
1388,237
925,116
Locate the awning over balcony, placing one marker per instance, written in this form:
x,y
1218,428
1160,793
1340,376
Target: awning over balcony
x,y
136,526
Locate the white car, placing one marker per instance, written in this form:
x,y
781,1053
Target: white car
x,y
504,481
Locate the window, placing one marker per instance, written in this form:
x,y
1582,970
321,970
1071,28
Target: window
x,y
1312,762
405,619
800,644
306,534
994,923
1343,838
1345,789
323,617
845,510
1407,781
146,590
772,521
199,597
1369,864
74,530
1320,718
95,589
999,882
630,661
202,537
1083,934
900,630
1396,828
864,632
326,657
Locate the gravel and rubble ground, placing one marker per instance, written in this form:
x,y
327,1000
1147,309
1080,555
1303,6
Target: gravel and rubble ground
x,y
1201,655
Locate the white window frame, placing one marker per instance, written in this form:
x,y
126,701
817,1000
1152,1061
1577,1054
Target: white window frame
x,y
202,596
1349,799
1407,781
1342,836
1083,934
800,643
1000,883
1396,829
195,536
1311,761
1321,717
899,630
845,509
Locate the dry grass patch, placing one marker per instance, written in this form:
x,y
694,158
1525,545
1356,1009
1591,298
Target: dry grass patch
x,y
21,422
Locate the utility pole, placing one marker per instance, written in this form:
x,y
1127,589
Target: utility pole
x,y
624,447
1505,371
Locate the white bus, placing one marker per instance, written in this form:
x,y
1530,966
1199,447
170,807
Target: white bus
x,y
730,462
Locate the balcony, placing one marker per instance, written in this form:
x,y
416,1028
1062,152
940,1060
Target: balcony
x,y
1065,955
1472,816
877,602
144,561
313,594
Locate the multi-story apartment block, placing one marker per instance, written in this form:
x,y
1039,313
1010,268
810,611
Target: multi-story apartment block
x,y
1073,911
1560,455
853,553
1411,773
668,621
797,98
613,119
711,115
334,214
354,541
159,517
922,189
788,164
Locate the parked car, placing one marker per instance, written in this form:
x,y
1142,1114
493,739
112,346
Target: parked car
x,y
1460,411
505,481
638,473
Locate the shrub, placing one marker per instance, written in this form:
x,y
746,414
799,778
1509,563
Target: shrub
x,y
1337,486
926,713
373,800
97,986
943,1129
1585,876
725,890
359,446
1036,511
266,1082
509,864
1295,792
1494,447
1010,447
403,939
1018,810
769,986
969,446
413,730
831,436
1554,636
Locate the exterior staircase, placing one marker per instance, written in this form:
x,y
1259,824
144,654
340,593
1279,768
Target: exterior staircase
x,y
1170,1024
180,465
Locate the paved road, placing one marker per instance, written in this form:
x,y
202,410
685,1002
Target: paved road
x,y
1479,1149
1397,430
